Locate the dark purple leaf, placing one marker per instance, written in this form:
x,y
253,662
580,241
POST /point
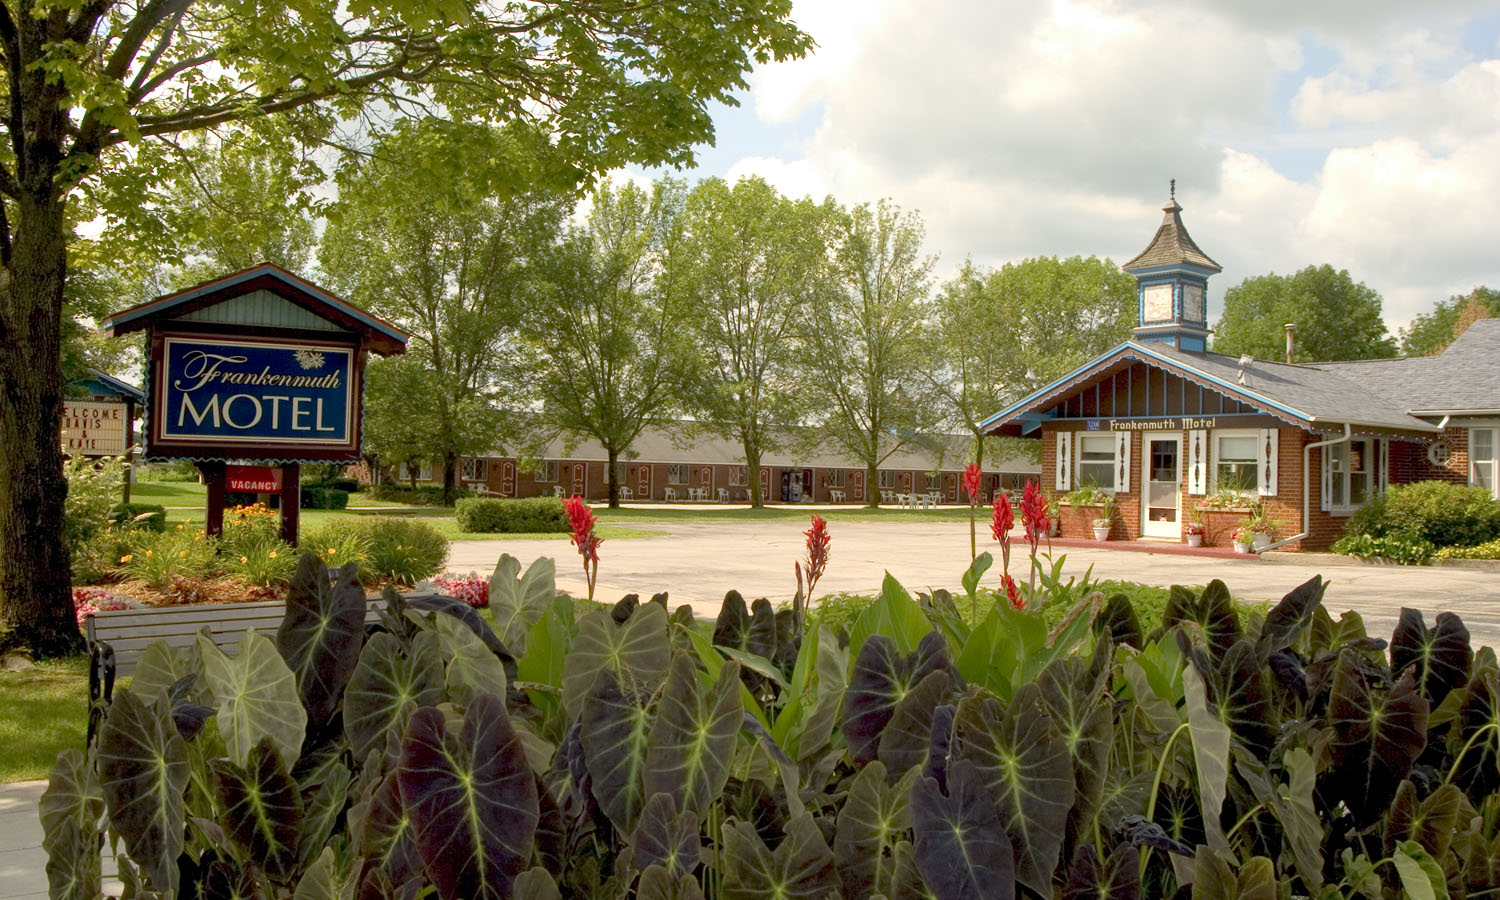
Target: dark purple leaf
x,y
262,808
322,633
961,849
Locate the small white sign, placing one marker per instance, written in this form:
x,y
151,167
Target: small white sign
x,y
94,428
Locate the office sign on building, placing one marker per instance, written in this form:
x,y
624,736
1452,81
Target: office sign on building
x,y
279,397
95,428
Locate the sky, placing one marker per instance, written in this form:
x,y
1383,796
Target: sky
x,y
1360,133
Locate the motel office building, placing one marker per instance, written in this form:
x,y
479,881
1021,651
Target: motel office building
x,y
664,465
1162,424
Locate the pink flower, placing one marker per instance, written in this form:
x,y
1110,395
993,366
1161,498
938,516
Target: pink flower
x,y
471,589
973,482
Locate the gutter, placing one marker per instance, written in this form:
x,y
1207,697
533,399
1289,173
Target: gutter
x,y
1306,497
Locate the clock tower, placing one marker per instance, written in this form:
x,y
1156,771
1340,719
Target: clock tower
x,y
1172,280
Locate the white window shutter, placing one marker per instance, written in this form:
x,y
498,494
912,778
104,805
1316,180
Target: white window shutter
x,y
1197,462
1383,473
1122,461
1064,460
1270,439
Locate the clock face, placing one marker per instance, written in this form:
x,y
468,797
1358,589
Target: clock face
x,y
1158,301
1192,303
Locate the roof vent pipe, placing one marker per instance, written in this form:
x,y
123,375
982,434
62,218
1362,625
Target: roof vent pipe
x,y
1291,332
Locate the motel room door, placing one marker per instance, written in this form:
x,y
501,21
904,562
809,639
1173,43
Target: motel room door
x,y
1161,486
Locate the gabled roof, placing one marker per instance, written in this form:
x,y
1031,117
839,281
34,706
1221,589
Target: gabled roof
x,y
379,335
1307,396
1463,378
1172,245
101,383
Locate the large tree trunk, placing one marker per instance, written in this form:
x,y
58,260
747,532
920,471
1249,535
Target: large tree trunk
x,y
872,485
450,477
752,474
36,604
614,486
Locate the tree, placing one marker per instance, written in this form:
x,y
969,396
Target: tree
x,y
1000,333
608,331
1431,332
755,259
862,338
454,271
604,83
1337,318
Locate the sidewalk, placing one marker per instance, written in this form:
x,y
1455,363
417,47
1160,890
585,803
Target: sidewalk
x,y
23,865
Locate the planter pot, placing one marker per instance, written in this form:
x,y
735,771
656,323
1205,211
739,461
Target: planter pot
x,y
1241,548
1101,534
1260,542
1195,540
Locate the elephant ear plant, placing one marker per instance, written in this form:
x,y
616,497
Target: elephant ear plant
x,y
635,753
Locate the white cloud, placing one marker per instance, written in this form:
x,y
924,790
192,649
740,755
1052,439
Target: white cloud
x,y
794,179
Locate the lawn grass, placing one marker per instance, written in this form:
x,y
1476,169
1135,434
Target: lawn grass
x,y
45,713
669,513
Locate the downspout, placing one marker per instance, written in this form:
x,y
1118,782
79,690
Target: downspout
x,y
1307,497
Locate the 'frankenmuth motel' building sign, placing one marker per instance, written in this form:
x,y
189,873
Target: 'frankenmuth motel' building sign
x,y
1161,423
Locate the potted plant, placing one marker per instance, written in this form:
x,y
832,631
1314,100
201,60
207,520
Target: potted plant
x,y
1262,532
1193,532
1241,537
1106,518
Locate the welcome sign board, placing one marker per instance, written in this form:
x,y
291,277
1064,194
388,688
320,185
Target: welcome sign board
x,y
256,398
94,428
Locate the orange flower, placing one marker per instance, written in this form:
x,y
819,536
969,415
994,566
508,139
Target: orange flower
x,y
273,554
182,555
244,559
125,558
148,554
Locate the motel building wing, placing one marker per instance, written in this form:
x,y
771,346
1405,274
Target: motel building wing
x,y
1163,425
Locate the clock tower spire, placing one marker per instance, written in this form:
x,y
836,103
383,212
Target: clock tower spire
x,y
1171,276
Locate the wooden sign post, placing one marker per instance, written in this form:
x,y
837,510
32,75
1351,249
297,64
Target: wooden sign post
x,y
259,365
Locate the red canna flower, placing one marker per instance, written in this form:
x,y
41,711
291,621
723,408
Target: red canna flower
x,y
1003,520
1012,591
1034,515
581,520
973,482
817,551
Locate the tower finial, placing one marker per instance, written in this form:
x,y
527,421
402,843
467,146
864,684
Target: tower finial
x,y
1172,191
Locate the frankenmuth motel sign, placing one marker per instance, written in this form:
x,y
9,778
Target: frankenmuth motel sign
x,y
257,366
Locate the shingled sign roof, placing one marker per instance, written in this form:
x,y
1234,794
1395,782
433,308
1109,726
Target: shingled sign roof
x,y
1172,245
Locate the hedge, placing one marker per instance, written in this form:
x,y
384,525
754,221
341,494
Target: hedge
x,y
1448,515
320,497
529,515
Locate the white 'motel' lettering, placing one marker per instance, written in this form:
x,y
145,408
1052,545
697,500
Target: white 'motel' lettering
x,y
243,417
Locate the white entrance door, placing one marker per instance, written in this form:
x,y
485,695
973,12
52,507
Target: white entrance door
x,y
1161,486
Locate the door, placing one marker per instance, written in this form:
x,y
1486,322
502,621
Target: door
x,y
906,482
579,477
508,478
950,488
1161,487
643,483
807,483
765,484
786,486
858,491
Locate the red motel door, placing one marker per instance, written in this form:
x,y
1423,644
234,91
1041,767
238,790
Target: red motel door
x,y
765,483
950,486
508,478
643,485
706,478
906,482
579,476
857,491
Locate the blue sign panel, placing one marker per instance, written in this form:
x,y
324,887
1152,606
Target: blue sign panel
x,y
226,392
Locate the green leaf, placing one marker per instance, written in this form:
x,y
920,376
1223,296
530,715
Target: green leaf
x,y
1421,876
387,678
262,809
1239,696
801,867
256,695
1211,739
161,666
1299,817
518,603
875,817
322,811
1212,611
1026,769
472,668
472,800
658,883
881,678
1082,709
665,837
998,650
320,880
547,645
1215,879
613,730
961,848
692,739
143,772
536,884
975,571
895,615
71,809
637,653
321,635
757,664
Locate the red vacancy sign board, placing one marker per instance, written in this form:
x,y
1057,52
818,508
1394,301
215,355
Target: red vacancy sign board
x,y
253,479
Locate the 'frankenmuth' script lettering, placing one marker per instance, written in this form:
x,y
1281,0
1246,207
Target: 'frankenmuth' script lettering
x,y
200,368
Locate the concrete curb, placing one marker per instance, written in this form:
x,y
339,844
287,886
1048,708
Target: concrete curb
x,y
1288,557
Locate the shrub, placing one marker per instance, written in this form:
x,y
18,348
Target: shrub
x,y
246,525
1448,515
405,551
1405,548
320,497
486,515
339,543
157,559
88,514
1487,550
349,485
426,495
261,560
141,516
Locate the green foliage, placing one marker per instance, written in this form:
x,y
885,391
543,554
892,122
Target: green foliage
x,y
1442,513
1336,317
319,497
402,550
1276,752
260,560
158,559
338,543
1400,547
526,515
1430,332
89,523
142,516
1487,550
422,495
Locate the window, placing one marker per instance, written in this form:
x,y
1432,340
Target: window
x,y
934,481
1096,461
1349,475
888,479
835,478
474,469
677,473
1482,459
737,475
1236,461
546,471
